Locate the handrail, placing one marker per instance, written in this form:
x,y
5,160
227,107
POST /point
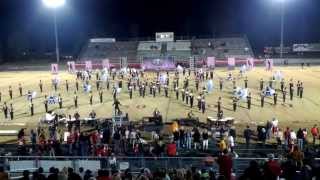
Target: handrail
x,y
121,157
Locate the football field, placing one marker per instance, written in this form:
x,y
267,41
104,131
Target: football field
x,y
297,113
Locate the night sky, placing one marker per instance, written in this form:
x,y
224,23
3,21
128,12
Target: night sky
x,y
28,24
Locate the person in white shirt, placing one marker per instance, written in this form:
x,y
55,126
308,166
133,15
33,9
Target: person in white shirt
x,y
230,143
274,123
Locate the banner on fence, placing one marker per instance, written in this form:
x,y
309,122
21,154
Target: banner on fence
x,y
105,64
54,69
211,62
231,63
250,63
88,65
71,66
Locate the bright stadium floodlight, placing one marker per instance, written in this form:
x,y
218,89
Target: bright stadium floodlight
x,y
282,25
54,4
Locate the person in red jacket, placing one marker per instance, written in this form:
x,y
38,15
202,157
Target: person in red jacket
x,y
272,169
315,133
172,149
225,164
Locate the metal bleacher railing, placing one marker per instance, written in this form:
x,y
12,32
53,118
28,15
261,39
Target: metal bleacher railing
x,y
17,164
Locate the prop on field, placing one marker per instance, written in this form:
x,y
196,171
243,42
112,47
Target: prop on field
x,y
52,100
71,66
88,65
250,63
104,76
269,64
163,78
31,95
210,86
211,62
229,77
278,75
87,88
105,64
179,69
54,68
269,91
243,69
241,93
231,63
55,80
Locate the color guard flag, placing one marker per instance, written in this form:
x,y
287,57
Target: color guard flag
x,y
54,68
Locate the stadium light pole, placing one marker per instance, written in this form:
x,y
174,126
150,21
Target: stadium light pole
x,y
54,4
282,2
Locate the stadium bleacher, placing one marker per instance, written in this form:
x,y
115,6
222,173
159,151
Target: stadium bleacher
x,y
179,50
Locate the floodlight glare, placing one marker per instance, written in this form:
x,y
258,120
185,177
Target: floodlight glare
x,y
54,3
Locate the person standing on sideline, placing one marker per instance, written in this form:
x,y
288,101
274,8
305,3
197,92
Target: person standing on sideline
x,y
246,82
10,92
67,85
75,99
234,102
101,95
221,84
90,98
77,85
205,140
249,100
247,133
11,111
20,89
5,110
31,109
41,86
275,98
60,101
301,90
262,98
45,102
261,84
284,94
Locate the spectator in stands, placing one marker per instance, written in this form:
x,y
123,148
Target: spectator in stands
x,y
225,165
247,135
297,156
315,134
103,175
87,175
92,114
3,174
252,172
172,149
271,168
196,138
205,140
222,145
231,143
188,139
300,138
40,175
72,175
25,175
81,172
